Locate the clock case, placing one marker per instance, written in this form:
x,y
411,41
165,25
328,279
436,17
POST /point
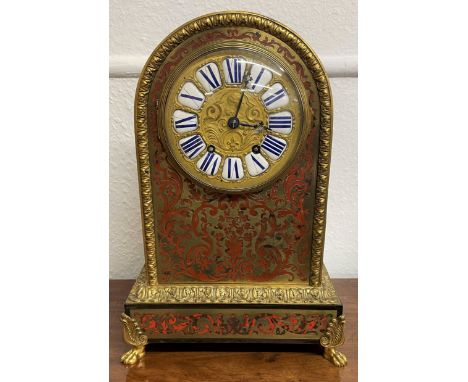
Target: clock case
x,y
181,297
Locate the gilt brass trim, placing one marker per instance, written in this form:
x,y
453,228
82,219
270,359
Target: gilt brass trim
x,y
241,19
144,293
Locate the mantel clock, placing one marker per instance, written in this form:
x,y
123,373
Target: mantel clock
x,y
233,125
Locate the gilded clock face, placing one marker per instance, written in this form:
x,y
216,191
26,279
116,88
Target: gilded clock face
x,y
234,118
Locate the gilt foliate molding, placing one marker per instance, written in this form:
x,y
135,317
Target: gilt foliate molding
x,y
143,293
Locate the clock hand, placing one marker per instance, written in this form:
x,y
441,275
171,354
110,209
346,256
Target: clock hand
x,y
259,124
245,80
247,124
239,104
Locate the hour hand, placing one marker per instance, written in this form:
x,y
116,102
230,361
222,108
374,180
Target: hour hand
x,y
247,124
260,124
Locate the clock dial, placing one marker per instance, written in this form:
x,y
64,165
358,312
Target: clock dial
x,y
236,117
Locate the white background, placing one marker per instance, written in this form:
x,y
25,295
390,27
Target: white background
x,y
54,216
330,28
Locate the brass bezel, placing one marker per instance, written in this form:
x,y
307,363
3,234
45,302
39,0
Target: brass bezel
x,y
313,64
168,103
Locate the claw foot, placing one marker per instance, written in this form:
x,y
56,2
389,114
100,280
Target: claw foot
x,y
133,355
335,357
133,335
333,338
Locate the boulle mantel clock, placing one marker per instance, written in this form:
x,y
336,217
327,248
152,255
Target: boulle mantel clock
x,y
233,125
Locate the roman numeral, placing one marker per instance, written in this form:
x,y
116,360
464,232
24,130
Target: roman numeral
x,y
257,79
232,169
190,96
275,97
237,71
256,164
209,77
234,70
209,163
192,146
214,168
273,146
260,77
280,122
184,121
180,121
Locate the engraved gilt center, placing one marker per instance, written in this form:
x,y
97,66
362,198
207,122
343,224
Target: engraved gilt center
x,y
216,118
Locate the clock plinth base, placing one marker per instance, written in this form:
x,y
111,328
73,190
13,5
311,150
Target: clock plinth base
x,y
235,313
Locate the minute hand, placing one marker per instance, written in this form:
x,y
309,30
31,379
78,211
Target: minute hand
x,y
239,104
244,83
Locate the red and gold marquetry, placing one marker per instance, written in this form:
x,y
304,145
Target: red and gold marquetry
x,y
237,323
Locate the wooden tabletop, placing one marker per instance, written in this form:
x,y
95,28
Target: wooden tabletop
x,y
233,363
